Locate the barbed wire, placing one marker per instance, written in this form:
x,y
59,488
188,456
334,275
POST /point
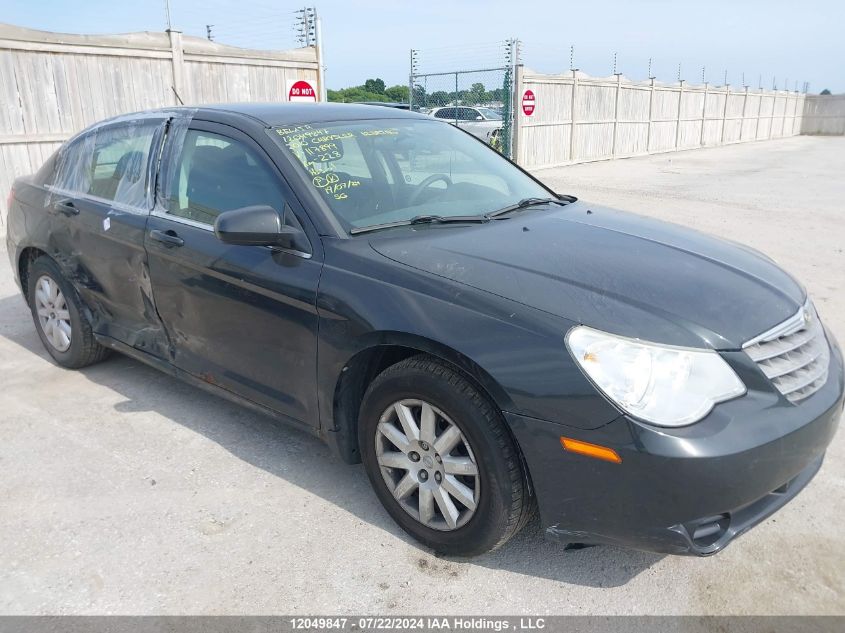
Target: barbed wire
x,y
267,25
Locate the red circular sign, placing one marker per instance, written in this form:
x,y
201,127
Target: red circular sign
x,y
302,91
528,103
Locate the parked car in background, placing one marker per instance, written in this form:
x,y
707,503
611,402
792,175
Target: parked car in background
x,y
402,291
479,121
386,104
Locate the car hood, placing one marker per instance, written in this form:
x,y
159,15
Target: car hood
x,y
611,270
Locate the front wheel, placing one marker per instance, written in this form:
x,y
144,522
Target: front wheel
x,y
441,460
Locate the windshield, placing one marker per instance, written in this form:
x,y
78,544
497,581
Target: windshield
x,y
380,171
490,114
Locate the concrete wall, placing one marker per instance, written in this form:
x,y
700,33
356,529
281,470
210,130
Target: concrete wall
x,y
578,118
824,115
52,85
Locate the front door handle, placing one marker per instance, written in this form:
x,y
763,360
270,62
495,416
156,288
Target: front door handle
x,y
168,238
66,207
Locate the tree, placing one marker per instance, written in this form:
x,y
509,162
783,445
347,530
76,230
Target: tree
x,y
439,98
353,95
477,94
419,95
398,94
825,92
375,86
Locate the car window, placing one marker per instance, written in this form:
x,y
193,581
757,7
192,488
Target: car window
x,y
490,114
467,114
109,163
445,113
377,171
215,173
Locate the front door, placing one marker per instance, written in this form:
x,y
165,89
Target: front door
x,y
240,317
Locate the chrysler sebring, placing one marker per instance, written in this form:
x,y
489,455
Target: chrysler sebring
x,y
489,349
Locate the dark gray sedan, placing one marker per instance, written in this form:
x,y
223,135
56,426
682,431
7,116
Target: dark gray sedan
x,y
485,346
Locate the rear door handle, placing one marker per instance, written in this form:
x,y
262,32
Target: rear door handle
x,y
66,207
168,238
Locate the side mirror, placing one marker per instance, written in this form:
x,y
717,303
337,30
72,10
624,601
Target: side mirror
x,y
260,225
479,118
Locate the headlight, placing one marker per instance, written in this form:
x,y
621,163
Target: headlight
x,y
661,384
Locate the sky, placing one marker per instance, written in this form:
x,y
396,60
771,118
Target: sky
x,y
770,41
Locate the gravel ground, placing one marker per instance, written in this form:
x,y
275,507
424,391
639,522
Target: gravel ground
x,y
124,491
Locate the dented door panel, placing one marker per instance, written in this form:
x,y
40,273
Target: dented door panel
x,y
103,254
98,221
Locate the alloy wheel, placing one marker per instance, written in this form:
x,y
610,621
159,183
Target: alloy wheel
x,y
427,464
53,314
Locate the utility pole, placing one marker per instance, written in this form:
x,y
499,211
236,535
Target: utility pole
x,y
167,14
309,32
321,69
208,32
306,26
412,80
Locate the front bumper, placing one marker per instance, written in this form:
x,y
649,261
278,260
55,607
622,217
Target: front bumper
x,y
689,490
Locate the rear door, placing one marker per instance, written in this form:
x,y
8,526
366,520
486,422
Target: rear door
x,y
99,202
240,317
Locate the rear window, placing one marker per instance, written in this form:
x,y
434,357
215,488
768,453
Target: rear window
x,y
108,163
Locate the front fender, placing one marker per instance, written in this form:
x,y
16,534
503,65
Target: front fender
x,y
515,352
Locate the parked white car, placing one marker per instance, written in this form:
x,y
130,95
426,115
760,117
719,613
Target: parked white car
x,y
481,122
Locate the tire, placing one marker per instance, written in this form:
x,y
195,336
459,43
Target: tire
x,y
497,499
67,334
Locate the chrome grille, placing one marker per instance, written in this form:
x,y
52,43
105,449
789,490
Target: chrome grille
x,y
794,355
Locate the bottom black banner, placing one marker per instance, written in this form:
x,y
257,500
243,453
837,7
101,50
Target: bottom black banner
x,y
469,623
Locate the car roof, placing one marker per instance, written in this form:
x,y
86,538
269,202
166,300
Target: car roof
x,y
276,114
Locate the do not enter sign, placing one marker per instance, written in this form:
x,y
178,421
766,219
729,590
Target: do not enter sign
x,y
528,102
301,90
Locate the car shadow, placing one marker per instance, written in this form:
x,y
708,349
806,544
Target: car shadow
x,y
304,461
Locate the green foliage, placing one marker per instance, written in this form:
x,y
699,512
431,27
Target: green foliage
x,y
825,92
372,90
376,86
439,98
351,95
476,95
397,94
375,90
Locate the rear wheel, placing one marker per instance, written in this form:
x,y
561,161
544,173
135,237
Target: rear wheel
x,y
441,459
59,319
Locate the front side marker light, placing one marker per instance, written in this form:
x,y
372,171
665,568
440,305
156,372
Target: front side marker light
x,y
590,450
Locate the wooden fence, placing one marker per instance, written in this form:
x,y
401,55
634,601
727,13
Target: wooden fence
x,y
577,118
824,114
52,85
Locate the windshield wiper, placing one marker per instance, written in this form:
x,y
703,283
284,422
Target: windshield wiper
x,y
528,202
423,219
446,219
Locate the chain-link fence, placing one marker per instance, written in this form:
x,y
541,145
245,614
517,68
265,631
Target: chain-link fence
x,y
479,101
